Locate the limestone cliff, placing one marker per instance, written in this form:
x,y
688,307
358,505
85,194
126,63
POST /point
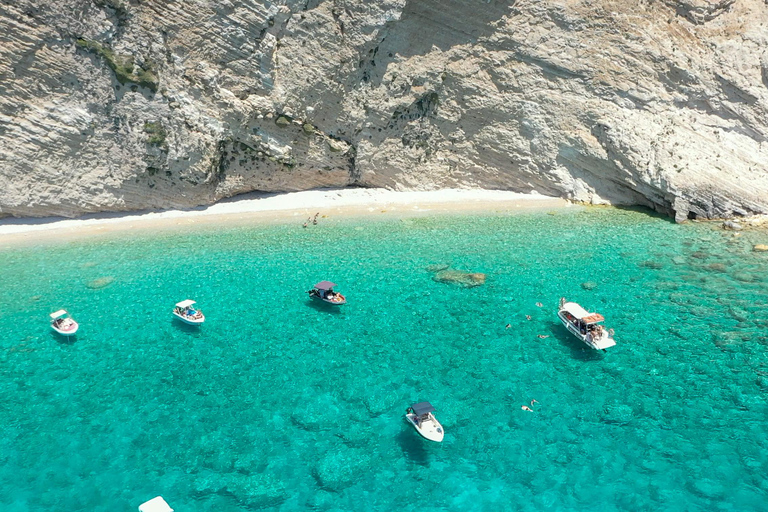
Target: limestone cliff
x,y
112,105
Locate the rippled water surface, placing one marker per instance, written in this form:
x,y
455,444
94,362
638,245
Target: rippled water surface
x,y
277,403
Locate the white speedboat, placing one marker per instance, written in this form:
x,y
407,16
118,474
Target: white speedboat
x,y
63,324
585,325
324,291
185,312
421,417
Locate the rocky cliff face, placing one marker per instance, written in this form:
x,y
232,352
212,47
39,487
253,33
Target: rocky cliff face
x,y
121,105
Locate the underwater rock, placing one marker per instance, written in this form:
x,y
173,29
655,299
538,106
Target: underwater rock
x,y
460,278
760,248
589,285
746,278
731,225
437,267
655,265
101,282
716,267
739,314
617,414
256,491
341,468
320,414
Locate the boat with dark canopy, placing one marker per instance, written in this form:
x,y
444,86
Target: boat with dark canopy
x,y
324,291
420,416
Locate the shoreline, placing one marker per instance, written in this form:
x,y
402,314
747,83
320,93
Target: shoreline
x,y
261,208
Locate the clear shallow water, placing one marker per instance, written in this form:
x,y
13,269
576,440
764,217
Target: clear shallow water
x,y
277,403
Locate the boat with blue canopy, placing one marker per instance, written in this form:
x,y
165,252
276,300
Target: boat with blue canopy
x,y
420,416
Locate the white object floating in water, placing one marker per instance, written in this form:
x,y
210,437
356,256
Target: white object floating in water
x,y
157,504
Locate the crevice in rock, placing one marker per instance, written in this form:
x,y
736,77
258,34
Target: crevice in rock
x,y
699,14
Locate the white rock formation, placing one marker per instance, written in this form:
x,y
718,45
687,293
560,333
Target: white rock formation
x,y
122,105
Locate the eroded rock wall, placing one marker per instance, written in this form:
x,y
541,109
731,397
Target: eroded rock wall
x,y
114,105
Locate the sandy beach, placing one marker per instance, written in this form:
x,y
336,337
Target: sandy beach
x,y
278,208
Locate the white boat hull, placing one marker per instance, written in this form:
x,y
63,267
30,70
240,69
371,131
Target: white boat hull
x,y
331,302
68,332
428,429
603,342
188,320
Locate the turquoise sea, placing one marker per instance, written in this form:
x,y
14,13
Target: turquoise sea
x,y
277,403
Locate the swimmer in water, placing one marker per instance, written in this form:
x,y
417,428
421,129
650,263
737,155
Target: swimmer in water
x,y
539,304
508,326
526,408
534,401
527,317
542,336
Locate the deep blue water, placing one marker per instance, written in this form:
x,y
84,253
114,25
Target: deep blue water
x,y
277,403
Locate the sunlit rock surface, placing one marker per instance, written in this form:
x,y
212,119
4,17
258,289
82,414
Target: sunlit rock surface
x,y
114,105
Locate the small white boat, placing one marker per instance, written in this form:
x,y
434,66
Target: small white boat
x,y
421,417
324,291
188,314
585,325
157,504
63,324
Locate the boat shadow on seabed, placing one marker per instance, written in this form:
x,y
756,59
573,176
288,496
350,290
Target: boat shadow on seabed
x,y
63,340
415,449
323,307
185,328
578,349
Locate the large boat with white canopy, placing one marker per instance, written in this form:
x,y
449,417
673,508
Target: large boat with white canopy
x,y
63,324
188,314
421,417
585,325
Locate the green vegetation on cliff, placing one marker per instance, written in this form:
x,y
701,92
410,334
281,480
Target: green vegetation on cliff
x,y
122,65
156,133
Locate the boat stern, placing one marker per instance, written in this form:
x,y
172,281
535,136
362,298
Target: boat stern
x,y
604,342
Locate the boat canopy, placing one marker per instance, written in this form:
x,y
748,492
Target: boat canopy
x,y
422,408
157,504
593,318
576,310
324,285
58,314
185,303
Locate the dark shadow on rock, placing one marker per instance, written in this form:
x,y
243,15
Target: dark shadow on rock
x,y
425,24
